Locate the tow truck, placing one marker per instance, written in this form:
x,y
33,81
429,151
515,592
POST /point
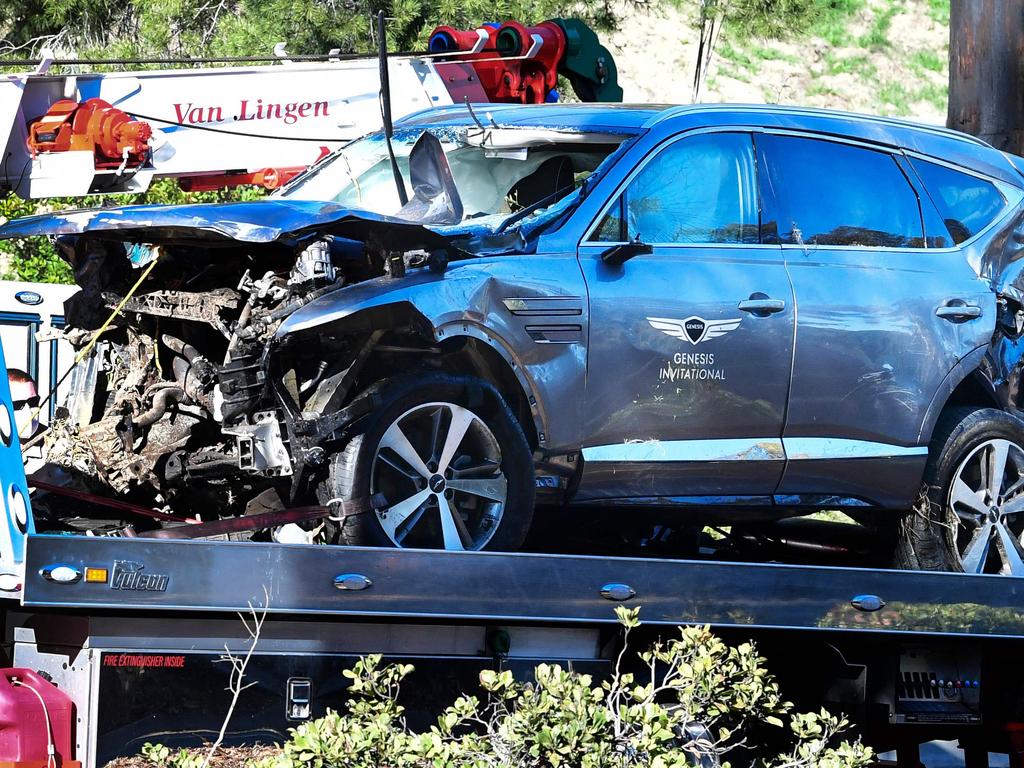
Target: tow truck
x,y
130,631
264,120
120,638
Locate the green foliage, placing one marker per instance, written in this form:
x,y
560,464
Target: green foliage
x,y
934,93
157,754
125,28
877,37
770,19
162,757
938,10
894,98
832,22
566,719
33,260
746,20
928,60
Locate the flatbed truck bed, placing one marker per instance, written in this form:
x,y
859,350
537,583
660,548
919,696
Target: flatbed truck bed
x,y
133,629
218,576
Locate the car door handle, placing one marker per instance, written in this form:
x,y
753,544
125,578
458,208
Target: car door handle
x,y
959,312
762,306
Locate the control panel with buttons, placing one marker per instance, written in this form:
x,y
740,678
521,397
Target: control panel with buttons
x,y
935,686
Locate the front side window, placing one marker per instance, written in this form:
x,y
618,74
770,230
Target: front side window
x,y
966,203
828,193
698,190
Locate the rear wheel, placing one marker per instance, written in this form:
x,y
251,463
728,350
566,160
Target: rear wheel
x,y
450,459
970,515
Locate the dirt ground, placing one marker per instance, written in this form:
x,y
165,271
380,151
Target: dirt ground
x,y
890,57
227,757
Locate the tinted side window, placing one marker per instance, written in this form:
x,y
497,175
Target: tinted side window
x,y
700,189
966,203
837,194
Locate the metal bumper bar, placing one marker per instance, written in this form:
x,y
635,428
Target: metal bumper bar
x,y
102,573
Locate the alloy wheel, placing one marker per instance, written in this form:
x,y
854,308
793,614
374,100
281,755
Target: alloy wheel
x,y
439,467
986,499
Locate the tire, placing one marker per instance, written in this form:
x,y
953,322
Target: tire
x,y
963,522
492,460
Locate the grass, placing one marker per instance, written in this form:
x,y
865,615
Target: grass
x,y
767,53
935,94
819,89
896,96
929,61
748,20
938,11
858,64
735,72
738,56
864,28
832,22
877,37
750,54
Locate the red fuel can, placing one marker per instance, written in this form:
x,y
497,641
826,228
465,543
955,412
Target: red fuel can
x,y
26,729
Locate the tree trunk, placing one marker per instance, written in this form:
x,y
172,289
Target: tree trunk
x,y
986,90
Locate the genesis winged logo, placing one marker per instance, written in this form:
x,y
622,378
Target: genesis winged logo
x,y
694,329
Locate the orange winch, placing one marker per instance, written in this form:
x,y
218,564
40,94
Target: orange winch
x,y
113,136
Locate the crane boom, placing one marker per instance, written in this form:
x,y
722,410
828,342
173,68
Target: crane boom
x,y
211,127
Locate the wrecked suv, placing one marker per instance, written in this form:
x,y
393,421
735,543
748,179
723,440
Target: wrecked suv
x,y
749,312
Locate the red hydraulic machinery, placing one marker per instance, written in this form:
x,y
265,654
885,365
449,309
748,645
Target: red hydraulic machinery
x,y
114,138
517,63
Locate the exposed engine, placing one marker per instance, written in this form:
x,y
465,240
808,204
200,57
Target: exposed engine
x,y
173,395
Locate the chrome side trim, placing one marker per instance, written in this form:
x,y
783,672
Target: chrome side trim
x,y
539,306
555,334
828,448
729,449
748,449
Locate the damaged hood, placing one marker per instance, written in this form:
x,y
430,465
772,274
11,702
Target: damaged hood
x,y
264,221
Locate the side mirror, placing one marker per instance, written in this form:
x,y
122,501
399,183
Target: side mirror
x,y
618,255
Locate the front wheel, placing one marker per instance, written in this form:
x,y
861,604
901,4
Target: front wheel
x,y
970,515
450,459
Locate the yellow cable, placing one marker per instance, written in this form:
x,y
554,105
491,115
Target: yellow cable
x,y
117,310
92,342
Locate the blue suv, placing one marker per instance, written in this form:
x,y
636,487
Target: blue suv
x,y
754,311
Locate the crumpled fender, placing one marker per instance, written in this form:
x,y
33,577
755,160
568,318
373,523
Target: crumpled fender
x,y
1011,282
439,298
463,301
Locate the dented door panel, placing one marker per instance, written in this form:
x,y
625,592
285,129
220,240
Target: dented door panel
x,y
870,350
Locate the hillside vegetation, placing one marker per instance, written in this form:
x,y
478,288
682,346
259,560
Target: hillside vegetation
x,y
885,57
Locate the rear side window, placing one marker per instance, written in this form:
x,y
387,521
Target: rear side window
x,y
966,203
699,190
827,193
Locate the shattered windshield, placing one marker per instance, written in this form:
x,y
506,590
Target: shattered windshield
x,y
498,172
